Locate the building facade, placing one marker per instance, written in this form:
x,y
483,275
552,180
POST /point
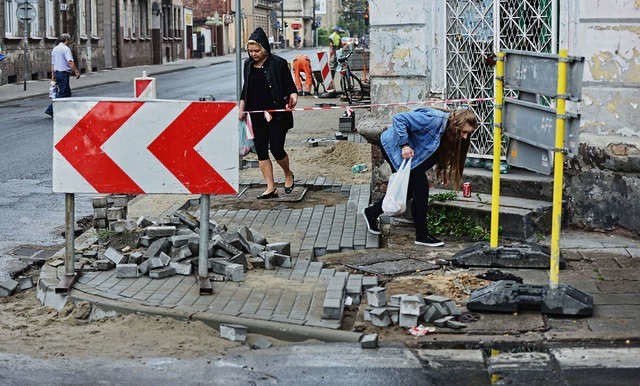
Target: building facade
x,y
422,49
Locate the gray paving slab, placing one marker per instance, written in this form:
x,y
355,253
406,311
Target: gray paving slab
x,y
237,301
282,218
299,269
616,299
271,218
180,291
327,273
252,303
322,239
122,285
251,216
293,219
87,277
190,297
203,301
101,277
312,230
107,284
314,269
285,304
300,307
136,286
333,244
269,302
222,293
148,290
165,289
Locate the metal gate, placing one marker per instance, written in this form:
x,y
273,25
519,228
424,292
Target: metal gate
x,y
471,40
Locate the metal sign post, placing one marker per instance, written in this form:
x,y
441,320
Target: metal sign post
x,y
203,252
26,12
70,276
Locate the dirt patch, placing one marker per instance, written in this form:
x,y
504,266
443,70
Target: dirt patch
x,y
297,199
452,284
28,328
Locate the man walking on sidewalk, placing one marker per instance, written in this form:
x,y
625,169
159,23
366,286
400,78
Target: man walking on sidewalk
x,y
61,66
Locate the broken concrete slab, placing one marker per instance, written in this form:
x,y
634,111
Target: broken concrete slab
x,y
261,343
24,283
181,268
380,317
283,248
160,230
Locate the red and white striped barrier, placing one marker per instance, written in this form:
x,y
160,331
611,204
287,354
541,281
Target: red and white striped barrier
x,y
145,87
323,60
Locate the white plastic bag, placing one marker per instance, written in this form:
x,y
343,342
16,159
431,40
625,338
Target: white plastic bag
x,y
53,90
395,200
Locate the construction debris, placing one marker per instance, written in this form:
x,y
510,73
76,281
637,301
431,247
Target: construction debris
x,y
171,247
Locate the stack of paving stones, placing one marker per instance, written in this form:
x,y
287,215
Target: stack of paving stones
x,y
410,310
109,209
172,247
344,289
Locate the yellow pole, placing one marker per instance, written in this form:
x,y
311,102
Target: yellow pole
x,y
558,168
497,150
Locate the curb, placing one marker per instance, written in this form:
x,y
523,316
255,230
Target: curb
x,y
277,330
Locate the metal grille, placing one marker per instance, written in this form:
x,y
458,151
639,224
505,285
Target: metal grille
x,y
470,39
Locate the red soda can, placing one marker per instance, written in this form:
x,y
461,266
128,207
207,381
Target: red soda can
x,y
466,189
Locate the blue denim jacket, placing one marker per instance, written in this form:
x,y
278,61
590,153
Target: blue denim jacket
x,y
420,128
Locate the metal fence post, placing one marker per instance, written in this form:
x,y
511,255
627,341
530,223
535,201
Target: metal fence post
x,y
558,169
497,150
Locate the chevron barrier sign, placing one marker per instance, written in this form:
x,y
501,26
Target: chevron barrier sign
x,y
152,146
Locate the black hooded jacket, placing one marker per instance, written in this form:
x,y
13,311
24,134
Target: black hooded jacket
x,y
278,76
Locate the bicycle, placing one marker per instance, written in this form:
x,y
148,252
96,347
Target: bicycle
x,y
351,85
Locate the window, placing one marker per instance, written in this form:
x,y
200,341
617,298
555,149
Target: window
x,y
49,19
82,18
125,19
93,21
144,14
34,26
10,20
134,19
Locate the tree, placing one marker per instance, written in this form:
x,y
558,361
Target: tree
x,y
353,17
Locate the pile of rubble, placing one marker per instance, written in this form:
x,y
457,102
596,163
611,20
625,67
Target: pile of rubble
x,y
171,247
409,310
9,286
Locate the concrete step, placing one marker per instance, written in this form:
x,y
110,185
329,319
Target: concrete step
x,y
517,183
520,218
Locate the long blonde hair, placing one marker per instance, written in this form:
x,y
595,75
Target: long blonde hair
x,y
453,149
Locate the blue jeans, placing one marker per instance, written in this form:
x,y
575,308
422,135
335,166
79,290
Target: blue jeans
x,y
64,89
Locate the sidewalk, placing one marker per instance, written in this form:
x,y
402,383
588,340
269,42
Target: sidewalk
x,y
287,303
9,92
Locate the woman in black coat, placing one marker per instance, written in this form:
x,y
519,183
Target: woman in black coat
x,y
268,85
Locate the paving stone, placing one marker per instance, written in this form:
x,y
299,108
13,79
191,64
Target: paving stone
x,y
380,317
99,202
113,255
377,296
442,322
24,283
410,305
395,299
435,299
455,324
161,273
126,270
283,248
156,247
369,281
233,332
261,343
103,265
407,320
234,272
160,231
181,268
155,263
354,288
8,287
143,268
369,341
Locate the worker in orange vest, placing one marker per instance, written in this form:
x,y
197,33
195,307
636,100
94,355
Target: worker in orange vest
x,y
302,63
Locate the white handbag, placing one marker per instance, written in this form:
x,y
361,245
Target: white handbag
x,y
395,200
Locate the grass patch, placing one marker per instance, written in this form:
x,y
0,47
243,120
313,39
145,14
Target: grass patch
x,y
453,222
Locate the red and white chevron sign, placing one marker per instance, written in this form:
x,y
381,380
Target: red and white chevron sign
x,y
144,88
155,146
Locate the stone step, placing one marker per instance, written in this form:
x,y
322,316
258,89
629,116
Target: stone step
x,y
517,183
520,218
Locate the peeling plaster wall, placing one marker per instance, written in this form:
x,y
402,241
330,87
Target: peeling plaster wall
x,y
402,43
603,183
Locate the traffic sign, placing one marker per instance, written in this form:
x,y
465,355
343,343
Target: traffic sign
x,y
154,146
26,11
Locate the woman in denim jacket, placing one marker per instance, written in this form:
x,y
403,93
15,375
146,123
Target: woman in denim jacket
x,y
430,137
